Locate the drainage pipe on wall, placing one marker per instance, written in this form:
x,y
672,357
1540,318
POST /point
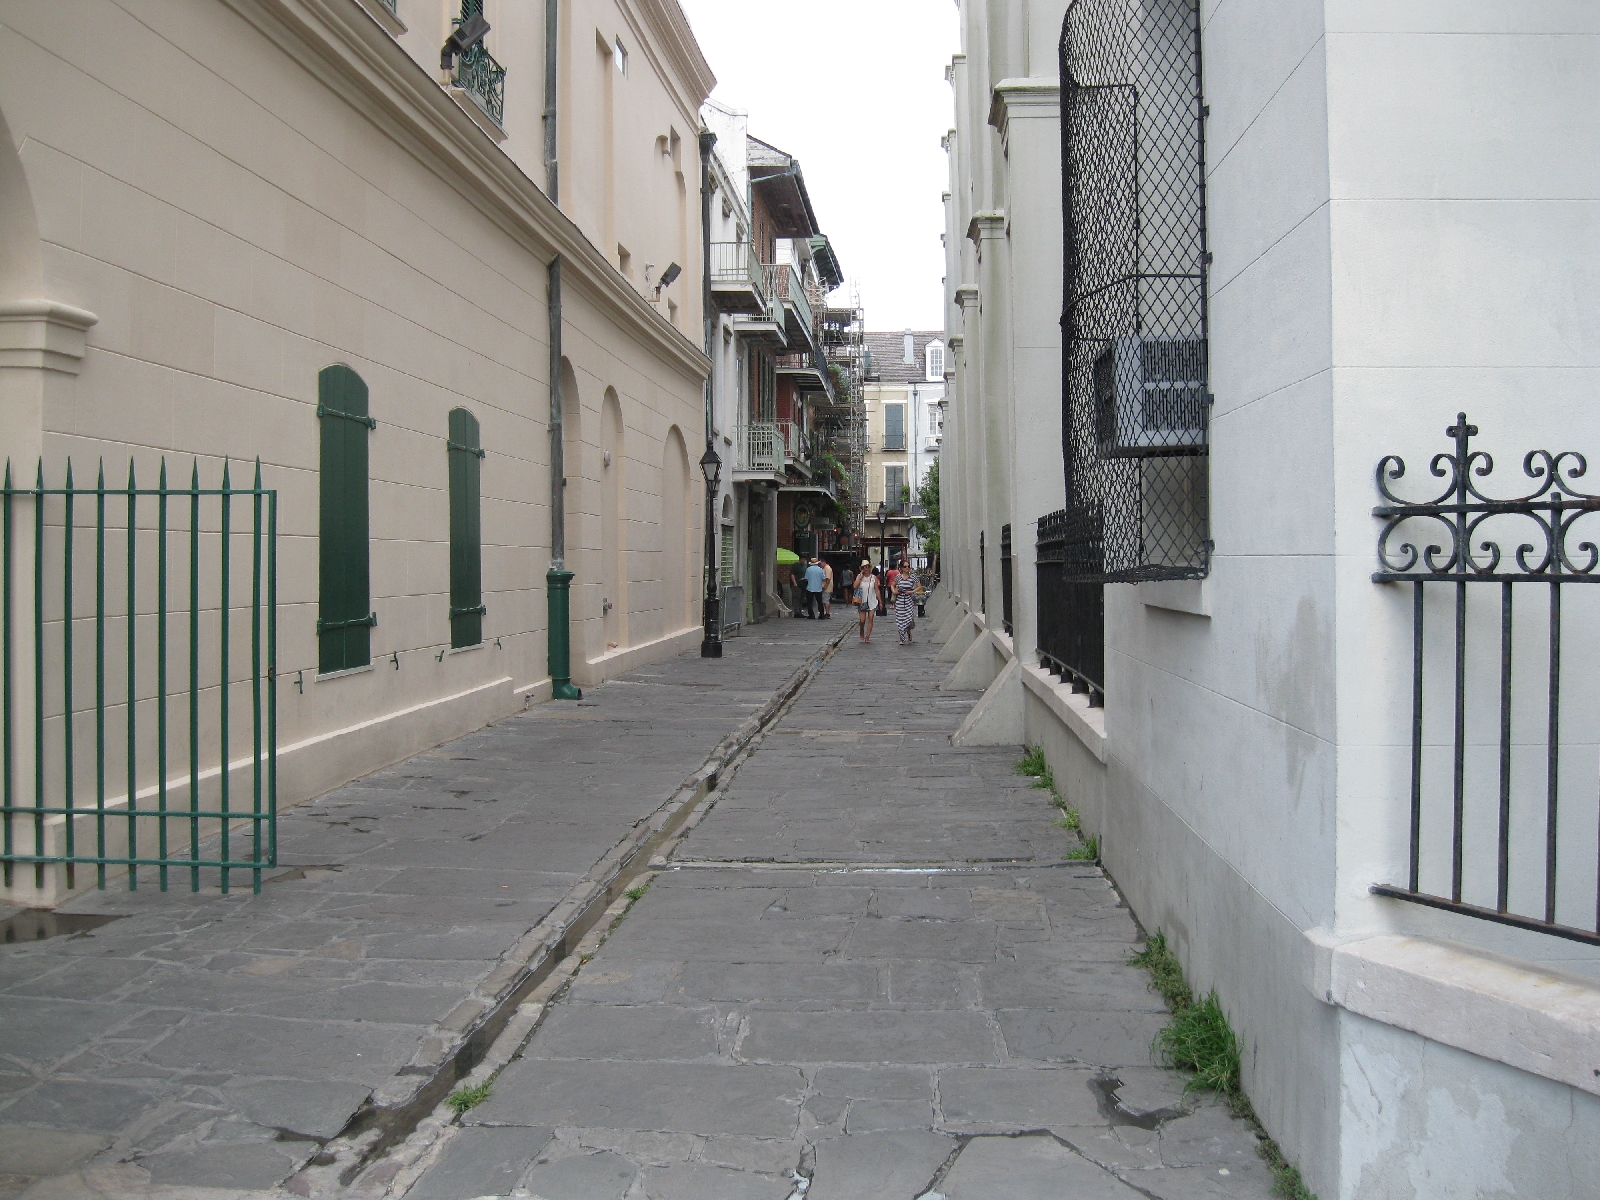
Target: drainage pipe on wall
x,y
557,580
552,30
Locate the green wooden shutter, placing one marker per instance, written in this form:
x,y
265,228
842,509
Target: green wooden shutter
x,y
727,556
466,535
344,597
894,430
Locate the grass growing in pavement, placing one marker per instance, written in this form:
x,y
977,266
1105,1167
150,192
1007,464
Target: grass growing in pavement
x,y
1033,763
1087,851
465,1097
637,893
1201,1040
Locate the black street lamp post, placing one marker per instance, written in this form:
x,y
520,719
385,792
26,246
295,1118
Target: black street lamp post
x,y
883,516
711,643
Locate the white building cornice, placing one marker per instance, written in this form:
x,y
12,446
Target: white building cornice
x,y
44,335
987,226
358,59
670,44
1024,98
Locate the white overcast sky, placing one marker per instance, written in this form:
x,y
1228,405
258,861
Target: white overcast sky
x,y
855,90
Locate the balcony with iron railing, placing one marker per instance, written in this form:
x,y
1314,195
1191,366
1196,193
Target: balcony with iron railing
x,y
484,80
738,282
759,447
785,286
791,444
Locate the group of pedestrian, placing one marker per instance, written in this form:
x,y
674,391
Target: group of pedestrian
x,y
875,590
819,590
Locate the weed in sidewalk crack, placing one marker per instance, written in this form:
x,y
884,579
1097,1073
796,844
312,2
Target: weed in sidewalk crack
x,y
637,893
1201,1040
1033,763
464,1097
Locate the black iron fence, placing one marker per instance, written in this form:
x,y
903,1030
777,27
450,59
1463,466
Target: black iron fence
x,y
1496,809
140,692
983,575
1070,614
1005,577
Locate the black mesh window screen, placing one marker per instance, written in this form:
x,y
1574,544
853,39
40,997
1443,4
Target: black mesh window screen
x,y
1135,400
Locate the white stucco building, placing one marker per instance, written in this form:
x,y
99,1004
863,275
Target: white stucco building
x,y
276,231
1398,223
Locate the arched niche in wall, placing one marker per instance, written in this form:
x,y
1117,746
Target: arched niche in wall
x,y
572,456
20,272
613,498
676,533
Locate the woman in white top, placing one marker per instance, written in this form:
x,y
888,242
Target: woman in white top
x,y
866,601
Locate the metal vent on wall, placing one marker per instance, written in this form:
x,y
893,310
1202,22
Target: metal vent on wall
x,y
1135,400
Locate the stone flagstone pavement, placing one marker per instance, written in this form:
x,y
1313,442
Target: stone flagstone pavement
x,y
870,973
206,1042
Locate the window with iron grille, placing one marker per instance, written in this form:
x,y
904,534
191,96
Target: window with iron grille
x,y
466,532
344,594
1135,400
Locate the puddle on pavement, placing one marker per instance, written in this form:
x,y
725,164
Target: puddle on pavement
x,y
37,924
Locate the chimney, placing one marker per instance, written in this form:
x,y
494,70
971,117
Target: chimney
x,y
911,349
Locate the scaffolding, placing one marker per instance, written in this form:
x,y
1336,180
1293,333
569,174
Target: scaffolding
x,y
844,347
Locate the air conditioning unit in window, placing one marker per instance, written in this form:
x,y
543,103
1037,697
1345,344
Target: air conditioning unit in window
x,y
1150,397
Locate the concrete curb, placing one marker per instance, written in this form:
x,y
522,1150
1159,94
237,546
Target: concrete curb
x,y
467,1034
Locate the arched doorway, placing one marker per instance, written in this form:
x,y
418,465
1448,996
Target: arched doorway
x,y
675,534
613,570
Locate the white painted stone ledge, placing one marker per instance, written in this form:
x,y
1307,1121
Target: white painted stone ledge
x,y
1072,708
1541,1021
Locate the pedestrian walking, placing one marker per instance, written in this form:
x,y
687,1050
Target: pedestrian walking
x,y
883,592
905,606
814,579
848,579
866,601
827,591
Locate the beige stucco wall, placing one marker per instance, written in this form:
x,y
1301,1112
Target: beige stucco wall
x,y
243,193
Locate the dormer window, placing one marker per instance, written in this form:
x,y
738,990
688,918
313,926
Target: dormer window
x,y
935,361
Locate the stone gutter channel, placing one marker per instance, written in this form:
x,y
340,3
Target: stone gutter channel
x,y
483,1032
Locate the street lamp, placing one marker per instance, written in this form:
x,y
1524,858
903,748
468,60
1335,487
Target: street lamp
x,y
711,643
883,516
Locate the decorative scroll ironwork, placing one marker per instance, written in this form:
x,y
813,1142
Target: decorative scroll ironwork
x,y
1461,511
477,73
1479,537
1135,399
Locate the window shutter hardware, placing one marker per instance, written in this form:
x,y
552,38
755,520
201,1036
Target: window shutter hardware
x,y
371,619
469,612
467,449
324,411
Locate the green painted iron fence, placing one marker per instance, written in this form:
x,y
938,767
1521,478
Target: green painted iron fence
x,y
145,644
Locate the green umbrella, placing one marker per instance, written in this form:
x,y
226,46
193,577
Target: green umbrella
x,y
787,558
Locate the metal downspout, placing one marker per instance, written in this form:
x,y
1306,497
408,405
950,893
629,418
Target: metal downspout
x,y
552,31
557,580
